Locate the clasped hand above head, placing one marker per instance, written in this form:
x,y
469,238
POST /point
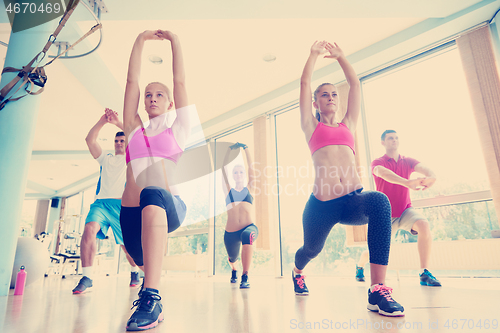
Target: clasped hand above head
x,y
111,116
157,35
238,145
321,47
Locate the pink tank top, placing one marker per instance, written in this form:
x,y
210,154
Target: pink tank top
x,y
325,135
161,145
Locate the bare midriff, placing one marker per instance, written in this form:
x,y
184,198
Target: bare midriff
x,y
335,172
239,215
160,174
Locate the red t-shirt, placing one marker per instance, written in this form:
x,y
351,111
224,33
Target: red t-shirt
x,y
398,195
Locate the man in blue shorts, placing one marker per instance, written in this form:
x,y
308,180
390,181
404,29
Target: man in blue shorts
x,y
105,211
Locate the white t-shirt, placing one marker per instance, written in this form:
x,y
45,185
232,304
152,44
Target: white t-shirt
x,y
112,176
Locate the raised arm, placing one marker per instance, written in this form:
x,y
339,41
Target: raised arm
x,y
131,118
354,97
91,139
225,181
252,181
181,125
307,120
112,118
109,116
391,177
430,176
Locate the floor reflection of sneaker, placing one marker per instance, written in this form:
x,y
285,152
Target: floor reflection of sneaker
x,y
149,311
244,282
427,279
299,284
360,276
134,279
82,286
381,301
234,277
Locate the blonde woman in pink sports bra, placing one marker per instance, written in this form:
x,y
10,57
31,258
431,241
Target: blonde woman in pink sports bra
x,y
338,195
151,206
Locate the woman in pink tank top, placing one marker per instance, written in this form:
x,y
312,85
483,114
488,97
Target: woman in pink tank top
x,y
337,195
151,206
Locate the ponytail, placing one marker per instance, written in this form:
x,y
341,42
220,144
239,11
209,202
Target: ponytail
x,y
315,96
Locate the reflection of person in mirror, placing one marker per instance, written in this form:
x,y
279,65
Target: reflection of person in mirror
x,y
150,206
240,230
332,145
104,213
392,177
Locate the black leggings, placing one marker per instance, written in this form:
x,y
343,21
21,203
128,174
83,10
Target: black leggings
x,y
355,208
244,236
131,218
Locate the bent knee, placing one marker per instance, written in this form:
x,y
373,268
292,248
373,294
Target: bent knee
x,y
422,227
312,253
91,229
233,260
154,196
379,198
151,209
248,238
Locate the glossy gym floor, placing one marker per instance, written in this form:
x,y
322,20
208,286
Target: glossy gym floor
x,y
212,304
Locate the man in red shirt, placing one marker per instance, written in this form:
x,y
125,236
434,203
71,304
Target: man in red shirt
x,y
391,173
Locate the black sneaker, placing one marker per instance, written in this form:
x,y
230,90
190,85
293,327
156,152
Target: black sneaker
x,y
360,276
299,284
234,278
84,283
427,279
381,301
134,279
244,282
148,313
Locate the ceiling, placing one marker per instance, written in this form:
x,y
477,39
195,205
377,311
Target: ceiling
x,y
224,43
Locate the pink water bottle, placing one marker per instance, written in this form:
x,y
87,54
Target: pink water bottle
x,y
20,281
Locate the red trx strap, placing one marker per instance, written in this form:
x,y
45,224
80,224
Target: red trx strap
x,y
36,75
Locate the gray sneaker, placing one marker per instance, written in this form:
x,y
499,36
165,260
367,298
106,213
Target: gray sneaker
x,y
82,286
134,279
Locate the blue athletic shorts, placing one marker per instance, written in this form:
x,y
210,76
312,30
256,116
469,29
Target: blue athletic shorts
x,y
106,212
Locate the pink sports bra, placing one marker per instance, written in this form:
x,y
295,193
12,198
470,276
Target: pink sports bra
x,y
161,145
325,135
